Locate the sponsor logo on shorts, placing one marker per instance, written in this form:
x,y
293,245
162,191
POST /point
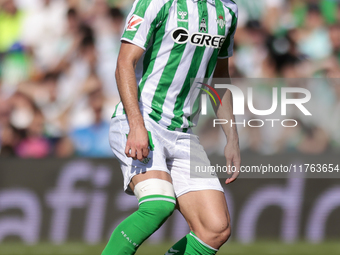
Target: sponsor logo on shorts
x,y
181,35
145,161
134,22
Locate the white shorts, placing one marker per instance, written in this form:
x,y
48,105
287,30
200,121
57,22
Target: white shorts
x,y
173,152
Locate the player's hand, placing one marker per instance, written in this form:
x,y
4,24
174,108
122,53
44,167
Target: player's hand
x,y
137,145
232,154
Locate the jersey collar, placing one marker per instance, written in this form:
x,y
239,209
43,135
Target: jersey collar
x,y
209,1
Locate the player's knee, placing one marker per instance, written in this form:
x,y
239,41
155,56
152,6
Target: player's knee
x,y
225,234
160,209
157,212
221,233
215,233
156,198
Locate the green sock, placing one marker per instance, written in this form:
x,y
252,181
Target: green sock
x,y
153,211
191,245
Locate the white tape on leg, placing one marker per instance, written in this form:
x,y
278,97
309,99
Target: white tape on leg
x,y
154,187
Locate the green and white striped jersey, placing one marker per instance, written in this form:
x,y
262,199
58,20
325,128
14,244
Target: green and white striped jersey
x,y
182,40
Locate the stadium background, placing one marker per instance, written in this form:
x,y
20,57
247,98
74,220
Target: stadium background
x,y
59,182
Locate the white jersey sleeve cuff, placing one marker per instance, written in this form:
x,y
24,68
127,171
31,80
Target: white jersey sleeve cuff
x,y
139,44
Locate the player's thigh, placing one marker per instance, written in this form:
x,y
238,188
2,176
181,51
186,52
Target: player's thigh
x,y
206,211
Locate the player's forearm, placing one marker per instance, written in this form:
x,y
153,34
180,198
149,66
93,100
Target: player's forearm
x,y
225,111
127,87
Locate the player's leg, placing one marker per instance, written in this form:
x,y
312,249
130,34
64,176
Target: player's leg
x,y
200,199
152,188
207,214
148,175
155,194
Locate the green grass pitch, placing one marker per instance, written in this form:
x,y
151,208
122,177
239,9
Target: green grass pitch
x,y
260,248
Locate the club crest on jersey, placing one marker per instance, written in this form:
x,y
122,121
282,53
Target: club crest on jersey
x,y
134,22
203,26
221,22
183,15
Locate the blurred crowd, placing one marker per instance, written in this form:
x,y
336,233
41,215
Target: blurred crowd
x,y
58,58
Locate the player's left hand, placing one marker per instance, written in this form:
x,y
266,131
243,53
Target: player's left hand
x,y
233,156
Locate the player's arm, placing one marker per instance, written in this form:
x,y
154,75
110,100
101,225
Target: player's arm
x,y
138,141
225,111
141,24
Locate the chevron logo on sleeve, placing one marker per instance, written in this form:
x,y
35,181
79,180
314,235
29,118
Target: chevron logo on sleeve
x,y
134,22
